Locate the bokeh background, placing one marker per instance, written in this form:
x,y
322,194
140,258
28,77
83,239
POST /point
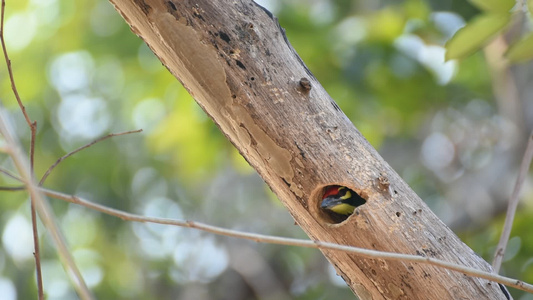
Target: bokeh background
x,y
455,131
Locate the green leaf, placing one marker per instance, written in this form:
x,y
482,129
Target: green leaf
x,y
470,38
521,50
495,6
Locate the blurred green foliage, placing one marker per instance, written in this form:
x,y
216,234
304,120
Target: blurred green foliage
x,y
82,74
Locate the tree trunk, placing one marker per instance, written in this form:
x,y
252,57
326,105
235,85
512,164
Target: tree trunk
x,y
235,60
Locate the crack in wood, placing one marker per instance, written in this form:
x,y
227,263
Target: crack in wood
x,y
146,9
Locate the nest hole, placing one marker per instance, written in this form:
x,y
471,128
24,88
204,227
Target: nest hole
x,y
335,203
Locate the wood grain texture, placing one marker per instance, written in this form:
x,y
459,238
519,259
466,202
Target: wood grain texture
x,y
234,59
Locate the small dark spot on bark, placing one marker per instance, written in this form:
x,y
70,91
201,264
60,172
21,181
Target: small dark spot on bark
x,y
171,5
267,53
233,96
231,52
335,106
199,16
288,184
305,84
374,272
430,252
302,153
406,284
239,63
398,214
224,37
252,78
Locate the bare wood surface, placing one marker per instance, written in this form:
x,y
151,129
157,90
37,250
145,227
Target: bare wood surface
x,y
234,59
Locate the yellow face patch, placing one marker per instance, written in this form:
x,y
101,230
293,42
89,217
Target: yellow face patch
x,y
343,209
346,196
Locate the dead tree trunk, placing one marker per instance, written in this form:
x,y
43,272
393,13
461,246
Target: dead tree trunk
x,y
235,60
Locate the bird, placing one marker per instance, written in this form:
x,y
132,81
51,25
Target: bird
x,y
341,200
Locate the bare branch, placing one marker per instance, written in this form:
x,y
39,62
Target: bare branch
x,y
283,241
9,69
6,172
290,241
43,208
81,148
12,188
33,129
37,251
513,203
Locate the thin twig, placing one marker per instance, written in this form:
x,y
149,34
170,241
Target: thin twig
x,y
81,148
12,188
33,129
290,241
9,69
13,176
43,208
513,203
37,252
6,172
32,146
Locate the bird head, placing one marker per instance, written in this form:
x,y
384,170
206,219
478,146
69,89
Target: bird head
x,y
341,200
